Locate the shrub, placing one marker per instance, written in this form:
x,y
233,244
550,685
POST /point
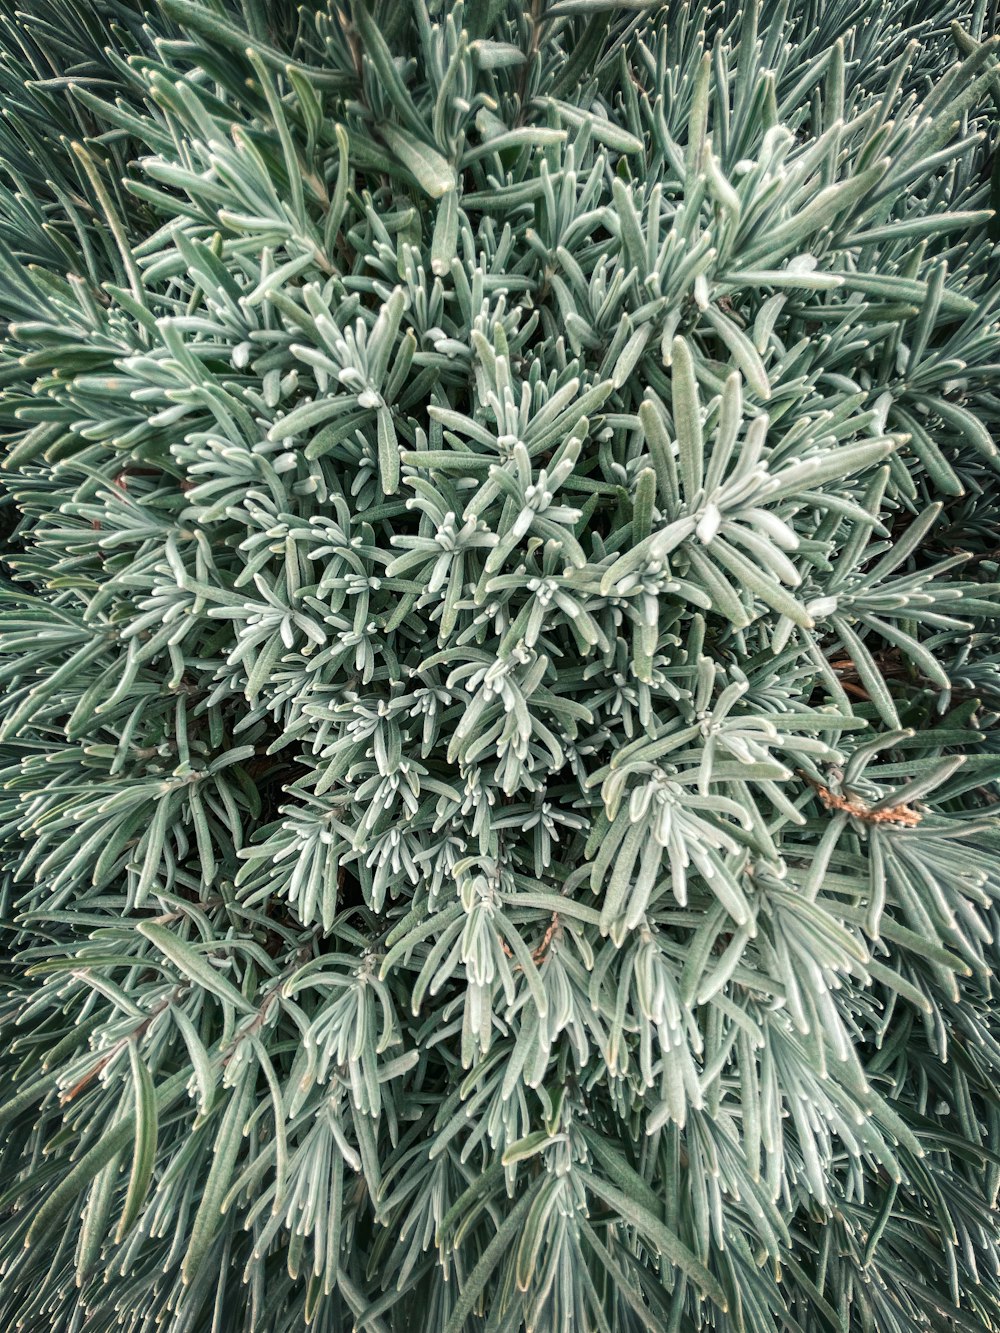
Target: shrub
x,y
500,667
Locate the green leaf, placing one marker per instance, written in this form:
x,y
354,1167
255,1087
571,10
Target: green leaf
x,y
208,1218
57,1200
144,1149
445,240
475,1284
663,1240
193,965
530,1146
434,174
687,418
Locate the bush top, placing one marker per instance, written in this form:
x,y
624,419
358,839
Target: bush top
x,y
497,635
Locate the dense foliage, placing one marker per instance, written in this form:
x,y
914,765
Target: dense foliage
x,y
498,638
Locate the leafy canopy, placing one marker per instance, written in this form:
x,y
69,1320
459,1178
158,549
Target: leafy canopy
x,y
499,662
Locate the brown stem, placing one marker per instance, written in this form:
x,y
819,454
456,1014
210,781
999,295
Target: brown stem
x,y
854,806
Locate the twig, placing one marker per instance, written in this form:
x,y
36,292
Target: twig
x,y
854,806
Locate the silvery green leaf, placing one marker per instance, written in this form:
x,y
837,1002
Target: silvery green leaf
x,y
435,175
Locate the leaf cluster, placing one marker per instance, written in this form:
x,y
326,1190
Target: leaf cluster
x,y
498,644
